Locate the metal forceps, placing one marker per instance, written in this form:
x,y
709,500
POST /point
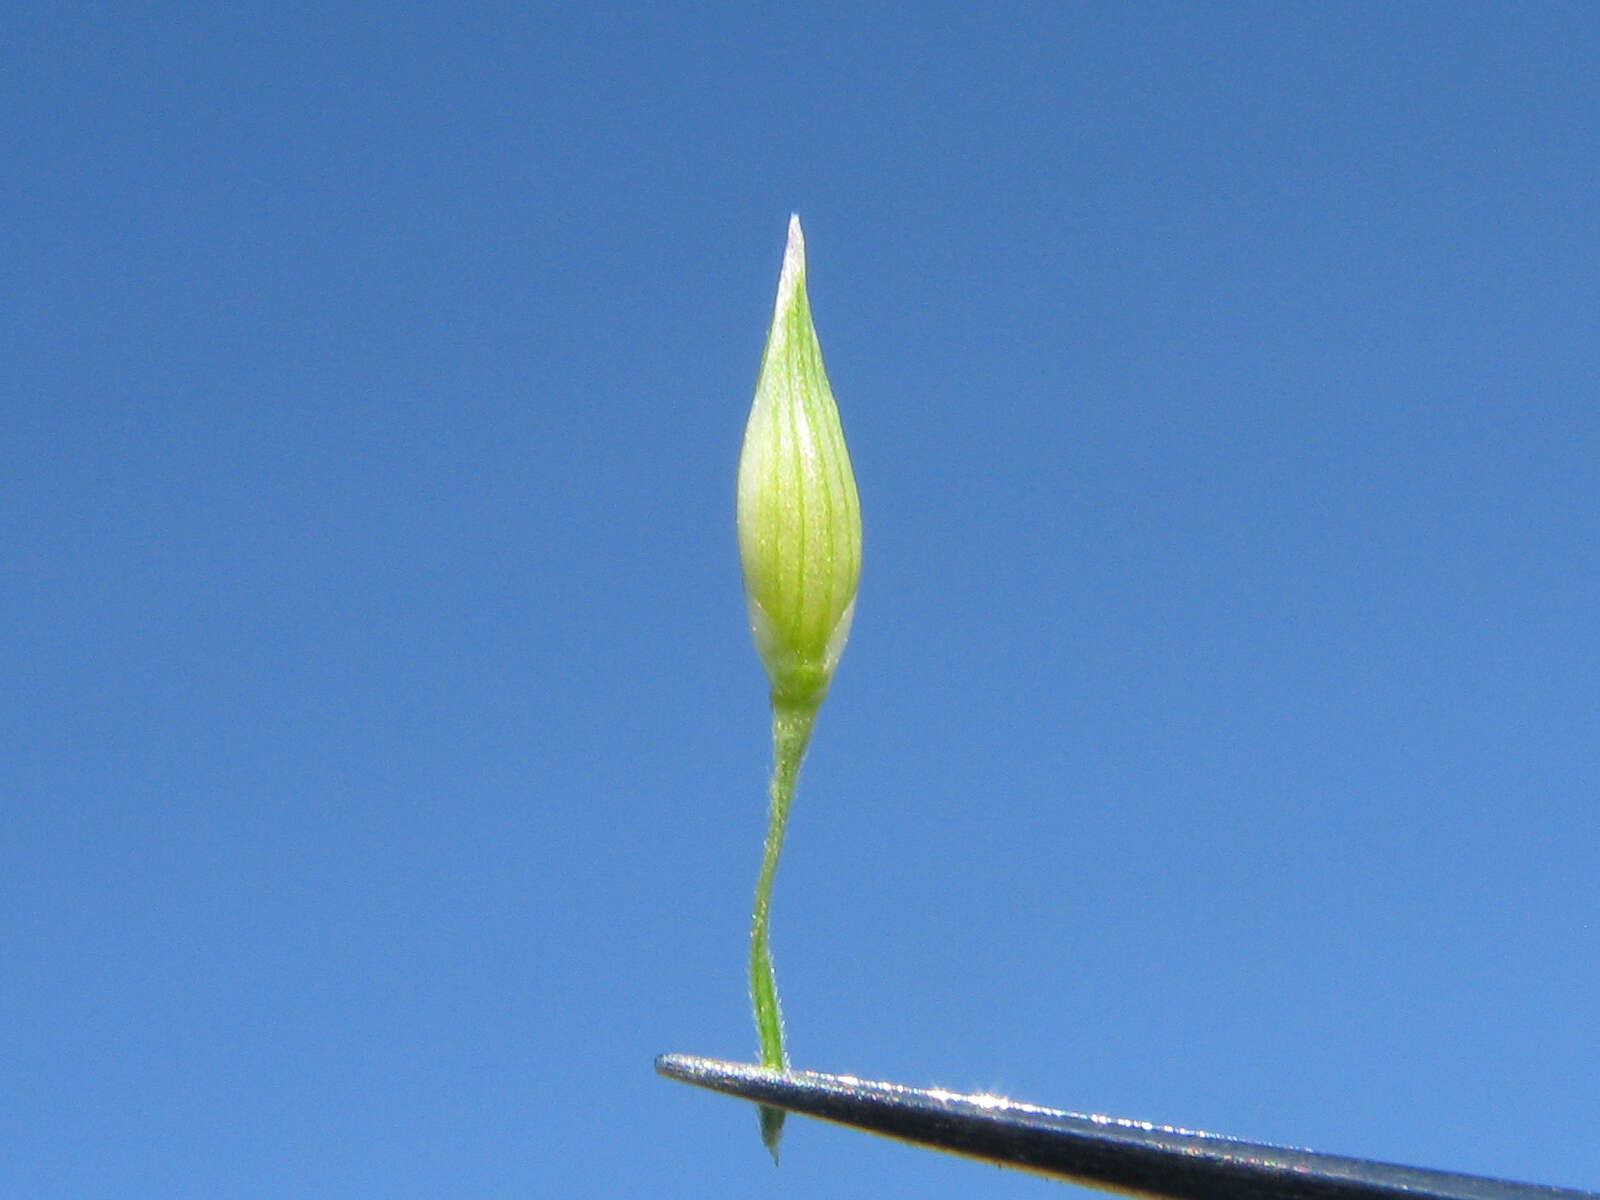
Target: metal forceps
x,y
1132,1157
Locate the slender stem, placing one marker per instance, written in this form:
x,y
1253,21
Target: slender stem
x,y
791,733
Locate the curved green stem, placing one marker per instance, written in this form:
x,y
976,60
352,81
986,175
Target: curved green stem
x,y
791,733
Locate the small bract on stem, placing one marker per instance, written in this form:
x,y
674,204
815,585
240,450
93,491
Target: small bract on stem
x,y
799,520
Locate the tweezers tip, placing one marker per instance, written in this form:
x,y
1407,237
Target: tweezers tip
x,y
684,1067
708,1072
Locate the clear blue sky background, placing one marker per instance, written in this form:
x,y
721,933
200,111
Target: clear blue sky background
x,y
382,753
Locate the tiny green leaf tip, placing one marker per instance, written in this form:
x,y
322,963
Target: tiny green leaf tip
x,y
799,524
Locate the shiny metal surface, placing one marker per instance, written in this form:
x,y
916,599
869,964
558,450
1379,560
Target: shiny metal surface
x,y
1117,1155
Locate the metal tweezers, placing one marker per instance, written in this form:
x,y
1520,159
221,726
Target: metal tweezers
x,y
1132,1157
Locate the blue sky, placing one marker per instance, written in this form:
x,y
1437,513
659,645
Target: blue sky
x,y
382,751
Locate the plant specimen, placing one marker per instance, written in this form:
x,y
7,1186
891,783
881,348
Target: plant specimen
x,y
799,522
